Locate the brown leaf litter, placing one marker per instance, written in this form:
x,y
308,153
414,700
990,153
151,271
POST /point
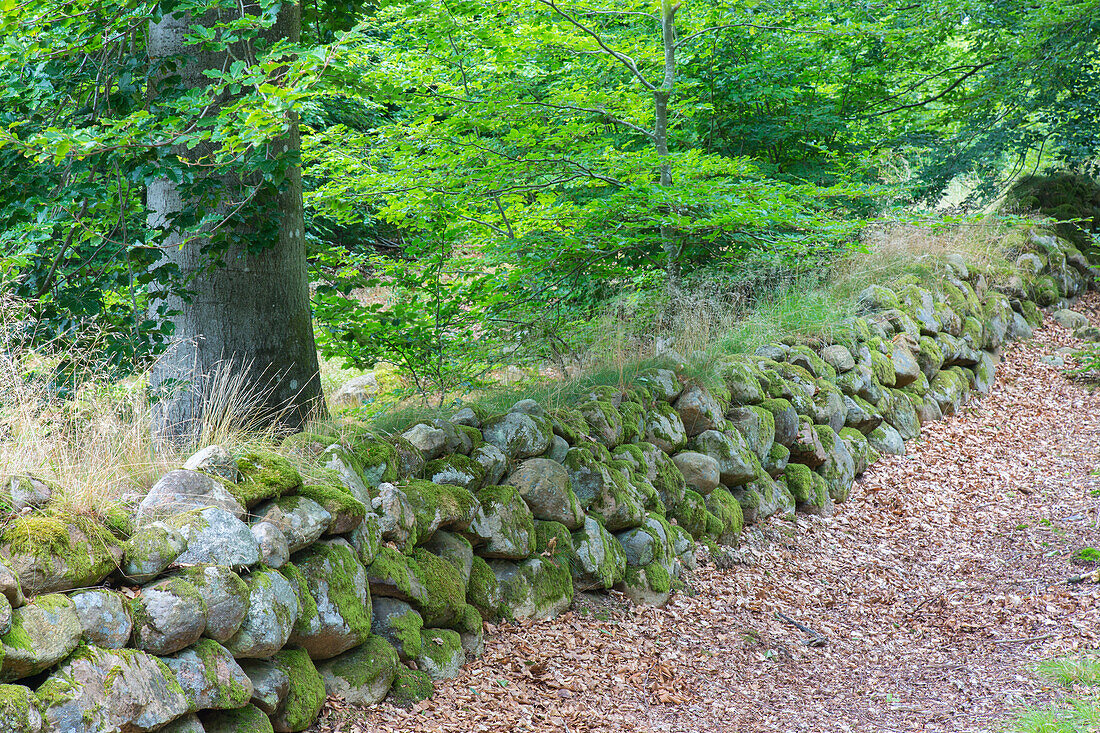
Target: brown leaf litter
x,y
934,587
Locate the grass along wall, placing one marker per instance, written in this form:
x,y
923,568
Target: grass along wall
x,y
246,586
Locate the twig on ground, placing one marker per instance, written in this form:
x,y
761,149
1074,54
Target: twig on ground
x,y
818,639
1022,641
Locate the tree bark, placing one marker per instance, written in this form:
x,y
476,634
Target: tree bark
x,y
246,318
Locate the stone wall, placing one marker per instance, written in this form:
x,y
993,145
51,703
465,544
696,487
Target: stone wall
x,y
240,592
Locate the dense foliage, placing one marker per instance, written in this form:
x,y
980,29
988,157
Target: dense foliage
x,y
483,179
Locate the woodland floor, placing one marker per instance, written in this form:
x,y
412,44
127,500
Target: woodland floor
x,y
936,586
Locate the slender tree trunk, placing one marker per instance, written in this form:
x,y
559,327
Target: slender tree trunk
x,y
661,96
248,316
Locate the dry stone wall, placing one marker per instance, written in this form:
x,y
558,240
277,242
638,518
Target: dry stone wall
x,y
240,593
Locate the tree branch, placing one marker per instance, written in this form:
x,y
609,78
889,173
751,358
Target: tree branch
x,y
622,58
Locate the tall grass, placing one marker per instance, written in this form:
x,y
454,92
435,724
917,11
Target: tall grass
x,y
1080,712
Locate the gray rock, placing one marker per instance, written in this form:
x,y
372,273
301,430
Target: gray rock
x,y
210,677
272,614
215,537
9,584
743,382
302,520
537,588
665,429
363,675
398,623
43,632
839,357
545,486
226,598
885,439
216,461
249,718
699,411
429,440
356,392
559,449
700,471
503,526
737,464
957,265
442,655
270,684
25,492
598,559
150,550
104,616
99,690
648,544
336,458
455,549
189,723
756,425
366,538
493,460
786,421
168,616
337,581
183,491
44,564
663,382
5,615
466,416
20,710
518,435
1070,319
906,368
529,407
274,549
397,520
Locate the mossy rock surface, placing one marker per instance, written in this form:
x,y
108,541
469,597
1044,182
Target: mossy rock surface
x,y
727,511
410,687
347,511
439,506
337,582
503,527
247,719
444,588
538,588
306,693
598,560
441,654
20,711
210,677
483,590
456,469
54,553
650,585
362,676
399,624
264,475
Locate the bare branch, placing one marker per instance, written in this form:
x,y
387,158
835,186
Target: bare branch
x,y
622,58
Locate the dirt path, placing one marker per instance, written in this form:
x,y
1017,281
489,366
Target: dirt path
x,y
935,585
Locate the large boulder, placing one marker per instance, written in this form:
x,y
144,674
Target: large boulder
x,y
546,487
210,677
337,582
439,506
737,464
518,435
168,616
225,595
215,537
665,429
48,553
598,561
538,588
503,526
111,690
399,624
305,696
701,472
182,491
698,410
104,616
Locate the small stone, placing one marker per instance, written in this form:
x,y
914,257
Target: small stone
x,y
429,440
272,612
366,538
1070,319
397,518
182,491
25,492
441,654
150,550
216,461
9,584
466,416
269,684
302,520
274,549
216,537
700,471
529,407
168,616
42,633
189,723
225,595
105,617
839,357
362,676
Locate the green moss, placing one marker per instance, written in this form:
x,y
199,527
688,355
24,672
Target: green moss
x,y
306,692
429,500
307,443
410,687
668,481
439,648
247,719
727,511
633,419
469,621
213,656
342,589
800,481
307,606
406,628
375,659
444,588
336,500
659,579
455,469
391,567
473,434
58,689
483,590
264,475
569,424
46,537
377,461
714,526
556,531
691,514
1031,313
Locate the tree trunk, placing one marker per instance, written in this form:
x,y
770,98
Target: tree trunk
x,y
661,97
247,318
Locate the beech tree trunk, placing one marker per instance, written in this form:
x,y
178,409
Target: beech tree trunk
x,y
248,316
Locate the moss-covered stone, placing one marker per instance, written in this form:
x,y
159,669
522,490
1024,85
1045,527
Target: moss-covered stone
x,y
247,719
691,514
362,676
457,470
665,429
726,510
569,423
503,526
410,687
553,539
633,416
20,711
264,475
483,590
649,585
347,511
337,582
306,692
51,553
376,461
441,654
439,506
444,593
799,480
536,588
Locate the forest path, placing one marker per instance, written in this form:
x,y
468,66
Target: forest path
x,y
935,585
